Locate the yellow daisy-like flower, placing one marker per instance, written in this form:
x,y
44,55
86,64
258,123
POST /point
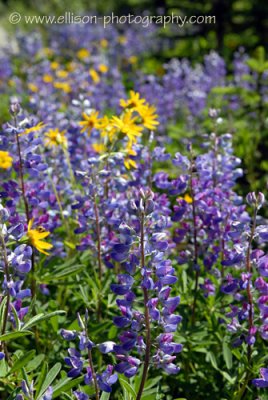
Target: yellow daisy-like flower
x,y
149,118
61,73
35,238
99,147
94,75
11,83
107,130
47,78
35,128
104,43
129,162
127,125
48,52
90,122
64,86
133,60
103,68
54,138
54,65
122,39
33,87
5,160
83,53
135,101
71,66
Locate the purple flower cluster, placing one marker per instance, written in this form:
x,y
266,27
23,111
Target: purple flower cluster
x,y
141,253
81,362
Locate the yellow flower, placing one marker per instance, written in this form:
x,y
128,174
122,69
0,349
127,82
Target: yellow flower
x,y
35,128
35,238
133,60
71,66
149,118
54,65
104,43
5,160
54,138
11,83
188,198
126,125
47,78
48,52
94,75
82,54
99,147
104,122
33,87
90,122
129,162
103,68
135,101
62,74
64,86
122,39
106,128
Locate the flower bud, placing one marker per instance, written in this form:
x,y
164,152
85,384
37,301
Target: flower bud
x,y
256,201
251,199
14,107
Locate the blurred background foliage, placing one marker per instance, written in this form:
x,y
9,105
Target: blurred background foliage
x,y
238,22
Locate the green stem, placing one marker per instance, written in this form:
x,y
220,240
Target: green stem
x,y
6,269
147,320
197,272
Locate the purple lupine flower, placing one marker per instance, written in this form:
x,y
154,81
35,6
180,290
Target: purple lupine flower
x,y
156,276
263,381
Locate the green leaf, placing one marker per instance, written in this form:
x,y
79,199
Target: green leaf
x,y
67,396
129,389
40,379
3,368
184,280
228,377
41,317
62,274
21,362
51,375
105,396
17,320
2,312
34,364
211,357
14,335
227,355
65,384
152,383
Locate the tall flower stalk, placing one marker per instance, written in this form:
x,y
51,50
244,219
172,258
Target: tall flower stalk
x,y
141,251
7,278
15,109
146,314
195,233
